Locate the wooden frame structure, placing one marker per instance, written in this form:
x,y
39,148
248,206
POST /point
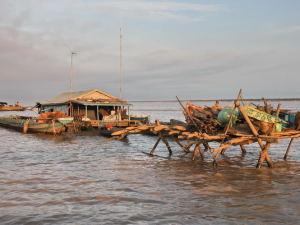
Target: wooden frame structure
x,y
226,139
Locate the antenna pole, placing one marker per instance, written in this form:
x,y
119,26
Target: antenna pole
x,y
121,75
71,71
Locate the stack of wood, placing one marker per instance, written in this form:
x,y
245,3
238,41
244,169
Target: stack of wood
x,y
253,124
203,118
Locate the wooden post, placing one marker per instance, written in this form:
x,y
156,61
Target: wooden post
x,y
71,109
288,149
243,149
197,152
97,108
264,149
252,128
26,126
154,147
278,109
167,144
182,146
188,146
86,111
206,146
229,122
264,156
128,108
231,115
53,127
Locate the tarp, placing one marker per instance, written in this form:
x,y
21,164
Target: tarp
x,y
262,116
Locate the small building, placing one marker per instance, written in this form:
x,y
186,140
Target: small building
x,y
94,106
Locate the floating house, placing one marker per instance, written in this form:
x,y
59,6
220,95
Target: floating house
x,y
93,106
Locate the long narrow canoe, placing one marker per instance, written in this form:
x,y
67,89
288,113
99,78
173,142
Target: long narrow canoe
x,y
31,124
12,108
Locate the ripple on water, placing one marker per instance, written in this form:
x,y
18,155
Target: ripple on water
x,y
87,179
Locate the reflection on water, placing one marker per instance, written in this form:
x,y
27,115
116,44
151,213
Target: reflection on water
x,y
87,179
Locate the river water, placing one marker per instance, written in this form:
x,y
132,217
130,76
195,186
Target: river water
x,y
88,179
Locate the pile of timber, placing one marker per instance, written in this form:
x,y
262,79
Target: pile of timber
x,y
175,131
203,118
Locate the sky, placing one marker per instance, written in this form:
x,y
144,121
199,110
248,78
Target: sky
x,y
190,48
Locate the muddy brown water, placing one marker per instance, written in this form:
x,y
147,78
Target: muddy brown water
x,y
87,179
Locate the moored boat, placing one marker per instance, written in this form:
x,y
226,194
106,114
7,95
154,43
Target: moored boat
x,y
107,131
32,125
16,107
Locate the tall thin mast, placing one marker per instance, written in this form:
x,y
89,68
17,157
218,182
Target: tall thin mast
x,y
71,71
121,75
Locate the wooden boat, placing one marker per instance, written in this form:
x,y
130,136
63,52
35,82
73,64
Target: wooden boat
x,y
16,107
142,119
107,131
33,125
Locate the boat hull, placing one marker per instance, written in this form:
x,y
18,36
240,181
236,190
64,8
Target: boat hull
x,y
11,108
107,132
30,125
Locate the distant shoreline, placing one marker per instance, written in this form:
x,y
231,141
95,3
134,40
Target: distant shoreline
x,y
219,99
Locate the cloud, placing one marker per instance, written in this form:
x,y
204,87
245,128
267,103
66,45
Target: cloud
x,y
158,10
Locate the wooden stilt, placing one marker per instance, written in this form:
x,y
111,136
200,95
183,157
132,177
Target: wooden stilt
x,y
53,127
188,146
243,149
206,146
197,152
182,146
229,124
264,156
25,126
168,146
288,149
154,147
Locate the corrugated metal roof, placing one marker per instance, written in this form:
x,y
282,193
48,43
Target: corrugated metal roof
x,y
105,103
81,96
